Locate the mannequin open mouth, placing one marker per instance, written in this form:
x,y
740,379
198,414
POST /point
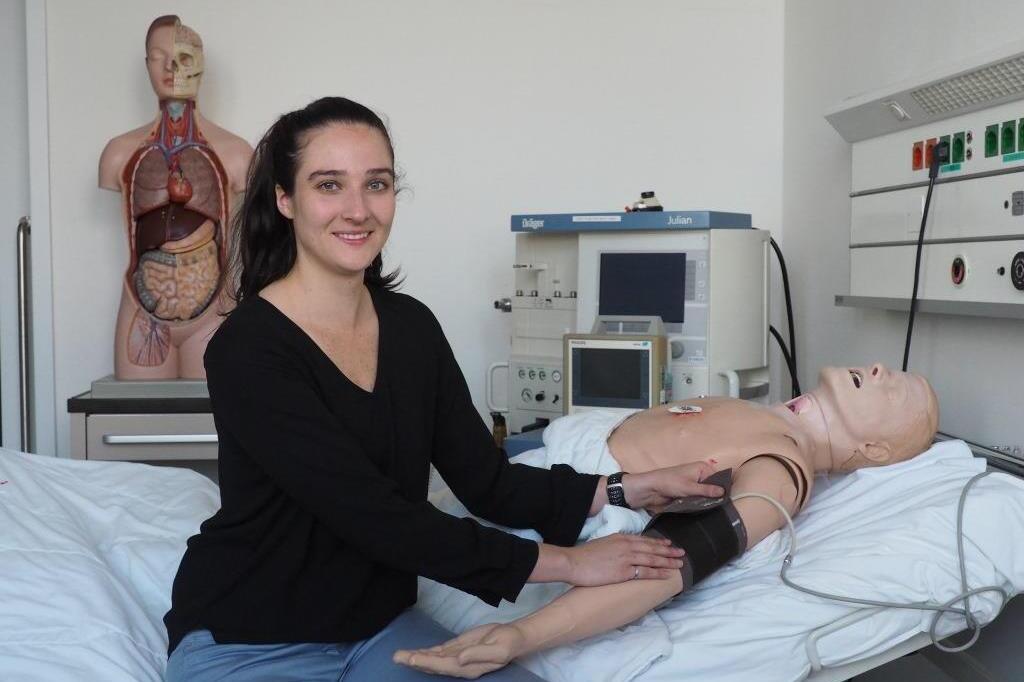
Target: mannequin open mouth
x,y
799,404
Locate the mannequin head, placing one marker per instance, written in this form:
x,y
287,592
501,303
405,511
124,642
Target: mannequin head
x,y
875,416
174,58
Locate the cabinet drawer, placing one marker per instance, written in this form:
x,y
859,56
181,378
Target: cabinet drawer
x,y
150,437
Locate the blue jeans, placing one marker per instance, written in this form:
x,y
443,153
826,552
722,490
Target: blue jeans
x,y
198,658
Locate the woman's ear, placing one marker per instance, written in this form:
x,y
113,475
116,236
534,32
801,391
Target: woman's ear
x,y
284,202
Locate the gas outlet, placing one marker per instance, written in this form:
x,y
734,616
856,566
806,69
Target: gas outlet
x,y
1017,271
958,271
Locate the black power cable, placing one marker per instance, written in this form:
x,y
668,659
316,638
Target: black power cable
x,y
940,155
791,354
789,359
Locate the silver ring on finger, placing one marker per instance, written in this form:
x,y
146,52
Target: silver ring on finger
x,y
636,572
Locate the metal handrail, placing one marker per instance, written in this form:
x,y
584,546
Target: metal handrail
x,y
25,333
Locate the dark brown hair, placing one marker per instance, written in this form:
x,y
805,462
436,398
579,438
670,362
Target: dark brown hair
x,y
159,22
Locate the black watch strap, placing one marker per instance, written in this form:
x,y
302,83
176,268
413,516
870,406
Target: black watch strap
x,y
615,494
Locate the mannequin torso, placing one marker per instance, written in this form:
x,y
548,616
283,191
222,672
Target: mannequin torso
x,y
172,295
732,432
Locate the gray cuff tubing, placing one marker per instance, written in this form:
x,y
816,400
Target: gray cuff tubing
x,y
710,539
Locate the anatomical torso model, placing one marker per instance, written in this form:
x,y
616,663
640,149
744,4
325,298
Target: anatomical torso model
x,y
178,177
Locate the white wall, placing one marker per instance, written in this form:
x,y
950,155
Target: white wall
x,y
14,203
496,107
835,49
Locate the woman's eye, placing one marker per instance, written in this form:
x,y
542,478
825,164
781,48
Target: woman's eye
x,y
329,186
377,185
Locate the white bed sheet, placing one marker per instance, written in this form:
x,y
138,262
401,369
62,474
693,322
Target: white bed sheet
x,y
88,551
886,533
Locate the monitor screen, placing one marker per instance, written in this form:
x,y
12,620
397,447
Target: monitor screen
x,y
611,377
643,284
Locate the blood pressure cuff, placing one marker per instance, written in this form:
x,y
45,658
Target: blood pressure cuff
x,y
710,538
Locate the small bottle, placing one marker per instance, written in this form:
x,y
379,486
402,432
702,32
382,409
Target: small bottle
x,y
500,430
648,202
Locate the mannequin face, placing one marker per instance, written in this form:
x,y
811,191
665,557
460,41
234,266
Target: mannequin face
x,y
875,415
174,59
344,198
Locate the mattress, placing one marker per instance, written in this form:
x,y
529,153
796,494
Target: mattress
x,y
88,551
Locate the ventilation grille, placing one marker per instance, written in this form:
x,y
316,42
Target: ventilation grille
x,y
989,83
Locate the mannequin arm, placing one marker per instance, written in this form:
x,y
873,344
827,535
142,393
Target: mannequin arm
x,y
586,611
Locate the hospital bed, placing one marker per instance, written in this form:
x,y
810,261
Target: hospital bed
x,y
887,533
88,551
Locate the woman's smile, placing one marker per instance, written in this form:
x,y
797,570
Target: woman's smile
x,y
353,238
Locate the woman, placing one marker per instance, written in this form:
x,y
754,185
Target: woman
x,y
332,395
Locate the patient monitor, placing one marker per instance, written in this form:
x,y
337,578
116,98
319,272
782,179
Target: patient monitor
x,y
703,273
615,370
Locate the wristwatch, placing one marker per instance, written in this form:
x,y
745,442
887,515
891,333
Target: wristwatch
x,y
615,493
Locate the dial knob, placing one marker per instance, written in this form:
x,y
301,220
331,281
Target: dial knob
x,y
539,397
1017,270
527,395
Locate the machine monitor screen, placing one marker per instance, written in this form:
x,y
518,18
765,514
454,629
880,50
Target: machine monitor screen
x,y
611,377
643,284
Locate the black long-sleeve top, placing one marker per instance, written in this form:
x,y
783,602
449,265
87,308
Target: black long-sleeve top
x,y
324,521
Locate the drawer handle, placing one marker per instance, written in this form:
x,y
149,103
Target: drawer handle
x,y
165,439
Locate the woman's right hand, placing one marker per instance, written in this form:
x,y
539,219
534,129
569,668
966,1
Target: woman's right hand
x,y
620,557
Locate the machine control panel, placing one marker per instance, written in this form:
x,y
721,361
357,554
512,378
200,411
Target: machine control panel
x,y
537,391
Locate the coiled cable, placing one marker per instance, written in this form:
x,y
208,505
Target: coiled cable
x,y
939,609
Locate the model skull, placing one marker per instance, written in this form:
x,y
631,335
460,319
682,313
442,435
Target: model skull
x,y
187,63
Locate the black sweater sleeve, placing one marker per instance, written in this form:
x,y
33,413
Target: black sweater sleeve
x,y
555,502
262,398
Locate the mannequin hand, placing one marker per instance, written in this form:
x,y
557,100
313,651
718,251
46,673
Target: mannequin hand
x,y
656,489
616,558
472,654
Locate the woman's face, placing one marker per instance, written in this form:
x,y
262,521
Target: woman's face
x,y
344,198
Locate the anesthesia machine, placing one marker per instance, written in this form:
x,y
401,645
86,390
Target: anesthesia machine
x,y
629,310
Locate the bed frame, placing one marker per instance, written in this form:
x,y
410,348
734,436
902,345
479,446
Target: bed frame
x,y
998,460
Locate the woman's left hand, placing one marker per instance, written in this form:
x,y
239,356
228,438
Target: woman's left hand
x,y
655,489
474,653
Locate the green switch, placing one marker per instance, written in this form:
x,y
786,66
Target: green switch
x,y
992,140
1009,137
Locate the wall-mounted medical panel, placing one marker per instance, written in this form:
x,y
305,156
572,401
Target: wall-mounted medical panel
x,y
975,231
988,208
980,142
975,272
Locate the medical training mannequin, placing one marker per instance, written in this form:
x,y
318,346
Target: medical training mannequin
x,y
854,418
178,176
